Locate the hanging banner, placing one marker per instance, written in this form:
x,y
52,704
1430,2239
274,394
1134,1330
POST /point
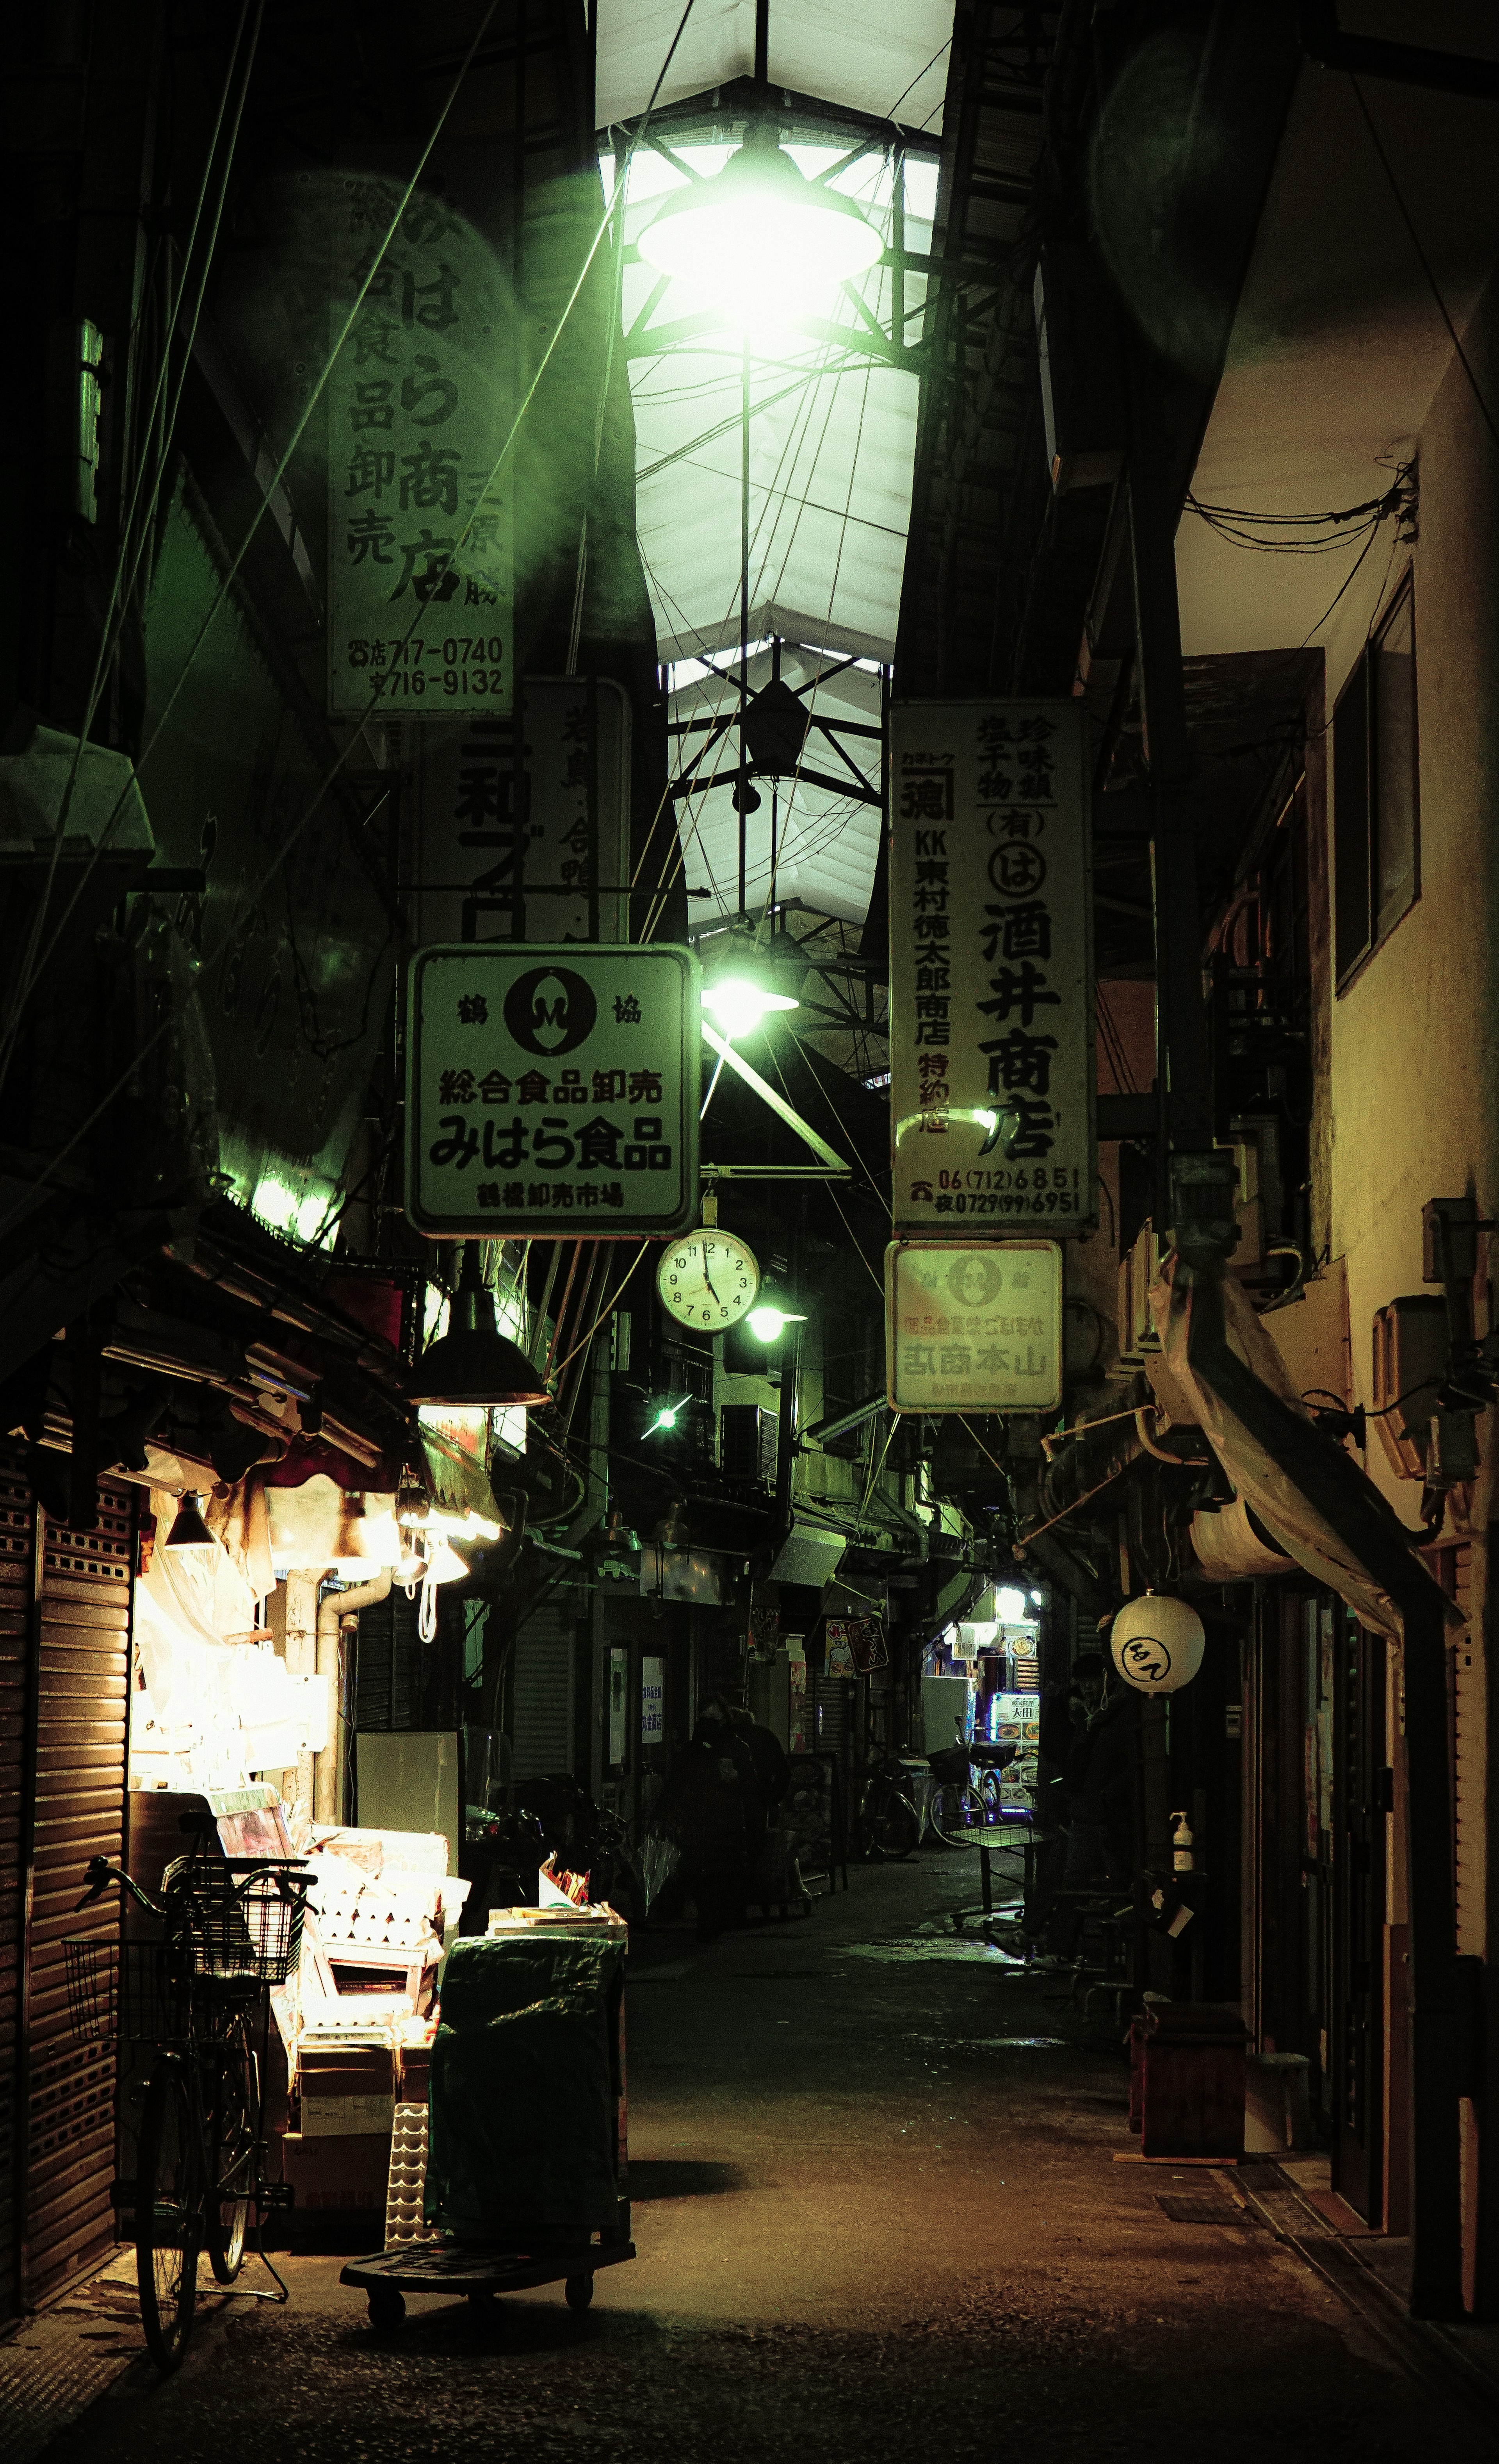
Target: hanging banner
x,y
973,1330
533,847
552,1091
420,524
992,1074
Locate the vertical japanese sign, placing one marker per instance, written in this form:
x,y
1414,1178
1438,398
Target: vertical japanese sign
x,y
521,822
653,1700
420,524
552,1091
992,993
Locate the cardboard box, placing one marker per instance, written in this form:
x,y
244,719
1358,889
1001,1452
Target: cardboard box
x,y
414,2081
339,2174
348,2091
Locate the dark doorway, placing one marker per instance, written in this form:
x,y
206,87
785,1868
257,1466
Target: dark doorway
x,y
1360,1798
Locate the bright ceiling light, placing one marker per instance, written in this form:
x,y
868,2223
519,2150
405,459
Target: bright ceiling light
x,y
768,1325
739,1005
1010,1606
757,232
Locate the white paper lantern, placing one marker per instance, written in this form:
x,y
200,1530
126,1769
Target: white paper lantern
x,y
1156,1643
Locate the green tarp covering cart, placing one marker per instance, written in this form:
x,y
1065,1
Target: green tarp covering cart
x,y
526,2173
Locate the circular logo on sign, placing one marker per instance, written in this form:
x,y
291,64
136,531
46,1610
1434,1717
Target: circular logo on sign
x,y
550,1011
1016,869
973,1281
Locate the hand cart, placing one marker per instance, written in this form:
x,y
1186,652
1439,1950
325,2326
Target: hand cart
x,y
485,2270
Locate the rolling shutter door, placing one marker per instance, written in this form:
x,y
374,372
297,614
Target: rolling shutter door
x,y
82,1702
16,1609
541,1714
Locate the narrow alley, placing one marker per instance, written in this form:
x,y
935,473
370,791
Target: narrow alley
x,y
887,2206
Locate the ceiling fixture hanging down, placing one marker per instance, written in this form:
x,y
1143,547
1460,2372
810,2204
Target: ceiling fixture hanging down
x,y
189,1528
473,1364
759,217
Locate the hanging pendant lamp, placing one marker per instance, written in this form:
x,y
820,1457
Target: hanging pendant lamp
x,y
758,218
474,1365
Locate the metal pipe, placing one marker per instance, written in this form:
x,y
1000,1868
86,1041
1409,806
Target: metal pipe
x,y
328,1766
823,1430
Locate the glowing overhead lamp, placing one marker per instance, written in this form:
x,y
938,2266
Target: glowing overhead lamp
x,y
473,1364
189,1528
739,1005
757,228
767,1322
667,1418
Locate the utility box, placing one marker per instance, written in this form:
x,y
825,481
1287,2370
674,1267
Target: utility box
x,y
1410,1363
1192,2058
944,1711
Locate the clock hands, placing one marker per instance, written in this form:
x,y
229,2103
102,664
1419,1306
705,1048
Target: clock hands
x,y
707,1248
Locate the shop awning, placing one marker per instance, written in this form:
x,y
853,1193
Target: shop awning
x,y
1219,1368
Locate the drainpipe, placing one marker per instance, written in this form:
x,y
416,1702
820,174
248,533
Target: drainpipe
x,y
301,1661
328,1766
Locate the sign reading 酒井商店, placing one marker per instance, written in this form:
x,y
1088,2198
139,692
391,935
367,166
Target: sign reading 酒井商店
x,y
419,517
992,1017
975,1328
552,1091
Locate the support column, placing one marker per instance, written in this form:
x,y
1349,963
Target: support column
x,y
301,1661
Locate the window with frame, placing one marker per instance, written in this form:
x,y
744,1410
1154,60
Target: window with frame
x,y
1376,798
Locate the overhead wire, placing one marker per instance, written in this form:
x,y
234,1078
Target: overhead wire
x,y
131,529
276,863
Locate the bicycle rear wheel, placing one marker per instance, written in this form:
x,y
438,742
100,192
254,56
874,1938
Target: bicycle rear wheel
x,y
233,2132
892,1828
169,2216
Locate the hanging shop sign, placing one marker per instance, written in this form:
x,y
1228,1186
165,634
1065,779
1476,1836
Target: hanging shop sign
x,y
991,992
1157,1643
855,1645
551,1090
419,517
520,821
973,1329
653,1700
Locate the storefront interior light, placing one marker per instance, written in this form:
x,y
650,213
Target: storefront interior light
x,y
1010,1607
189,1528
758,231
739,1005
768,1324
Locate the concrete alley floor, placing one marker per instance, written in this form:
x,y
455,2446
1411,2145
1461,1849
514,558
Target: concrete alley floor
x,y
879,2216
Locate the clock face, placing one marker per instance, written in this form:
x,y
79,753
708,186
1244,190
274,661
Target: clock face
x,y
709,1279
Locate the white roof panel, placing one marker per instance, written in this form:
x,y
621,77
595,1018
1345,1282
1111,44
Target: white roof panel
x,y
870,55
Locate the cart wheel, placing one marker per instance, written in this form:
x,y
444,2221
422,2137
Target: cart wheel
x,y
580,2291
387,2309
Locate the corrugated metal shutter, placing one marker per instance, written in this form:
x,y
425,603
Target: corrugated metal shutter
x,y
15,1606
82,1707
541,1694
389,1664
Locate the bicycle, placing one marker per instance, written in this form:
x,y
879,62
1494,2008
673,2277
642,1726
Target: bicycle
x,y
889,1825
232,1929
967,1806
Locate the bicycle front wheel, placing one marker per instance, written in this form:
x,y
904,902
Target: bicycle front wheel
x,y
233,2133
957,1815
168,2217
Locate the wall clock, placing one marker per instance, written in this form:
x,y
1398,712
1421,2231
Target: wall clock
x,y
708,1279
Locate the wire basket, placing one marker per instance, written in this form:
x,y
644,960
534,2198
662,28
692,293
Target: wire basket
x,y
122,1992
242,1918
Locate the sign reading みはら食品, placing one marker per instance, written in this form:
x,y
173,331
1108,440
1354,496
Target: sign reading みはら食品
x,y
552,1091
992,1022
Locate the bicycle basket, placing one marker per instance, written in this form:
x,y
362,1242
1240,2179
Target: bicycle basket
x,y
951,1766
243,1920
122,1991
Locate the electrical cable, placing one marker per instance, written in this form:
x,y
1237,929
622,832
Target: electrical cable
x,y
278,860
1423,260
121,587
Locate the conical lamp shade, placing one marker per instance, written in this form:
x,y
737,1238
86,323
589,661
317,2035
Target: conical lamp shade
x,y
473,1364
758,217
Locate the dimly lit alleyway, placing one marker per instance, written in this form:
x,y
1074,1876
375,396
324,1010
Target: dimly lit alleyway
x,y
878,2214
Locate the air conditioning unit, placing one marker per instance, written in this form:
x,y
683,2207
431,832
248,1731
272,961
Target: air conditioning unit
x,y
1410,1363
